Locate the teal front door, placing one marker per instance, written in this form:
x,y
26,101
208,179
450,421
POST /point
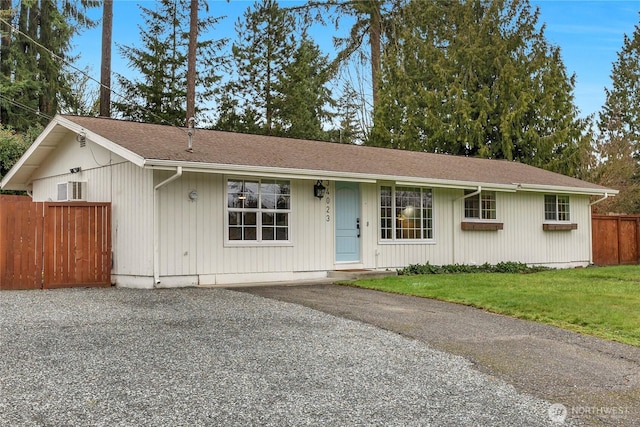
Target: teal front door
x,y
347,222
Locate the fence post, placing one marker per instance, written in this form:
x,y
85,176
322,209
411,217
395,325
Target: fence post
x,y
638,239
619,237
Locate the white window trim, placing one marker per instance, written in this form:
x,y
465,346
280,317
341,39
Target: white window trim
x,y
557,211
83,190
394,240
497,219
258,211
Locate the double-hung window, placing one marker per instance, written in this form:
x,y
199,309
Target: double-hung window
x,y
406,213
556,208
482,206
258,210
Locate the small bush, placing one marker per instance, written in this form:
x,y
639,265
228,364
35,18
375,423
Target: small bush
x,y
501,267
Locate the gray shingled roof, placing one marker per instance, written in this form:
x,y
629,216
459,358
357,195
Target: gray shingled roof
x,y
160,142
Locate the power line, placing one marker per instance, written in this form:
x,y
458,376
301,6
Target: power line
x,y
25,107
69,64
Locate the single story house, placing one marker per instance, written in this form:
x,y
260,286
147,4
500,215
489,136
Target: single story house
x,y
207,207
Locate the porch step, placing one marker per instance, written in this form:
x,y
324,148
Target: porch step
x,y
359,274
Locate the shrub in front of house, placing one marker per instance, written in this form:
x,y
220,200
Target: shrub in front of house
x,y
501,267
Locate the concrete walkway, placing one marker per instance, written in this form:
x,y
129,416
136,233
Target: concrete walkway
x,y
597,381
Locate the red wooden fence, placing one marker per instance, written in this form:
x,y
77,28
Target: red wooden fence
x,y
53,245
21,234
616,239
77,244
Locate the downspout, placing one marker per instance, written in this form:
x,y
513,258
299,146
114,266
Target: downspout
x,y
602,199
595,202
453,215
156,224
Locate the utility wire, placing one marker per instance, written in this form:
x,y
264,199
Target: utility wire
x,y
25,107
69,64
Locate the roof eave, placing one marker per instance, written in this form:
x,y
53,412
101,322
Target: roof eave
x,y
8,182
296,173
103,142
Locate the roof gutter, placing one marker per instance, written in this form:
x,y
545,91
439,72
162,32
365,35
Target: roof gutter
x,y
156,224
565,190
292,173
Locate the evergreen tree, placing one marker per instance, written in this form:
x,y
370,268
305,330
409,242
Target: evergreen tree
x,y
302,99
349,129
159,96
369,23
32,78
84,99
279,78
477,78
233,118
265,44
619,126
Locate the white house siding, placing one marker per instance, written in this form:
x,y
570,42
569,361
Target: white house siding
x,y
131,214
192,236
109,179
522,238
391,255
132,225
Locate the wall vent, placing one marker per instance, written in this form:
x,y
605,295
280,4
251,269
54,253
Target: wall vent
x,y
72,191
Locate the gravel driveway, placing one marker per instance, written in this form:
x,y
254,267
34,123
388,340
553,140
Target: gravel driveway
x,y
192,357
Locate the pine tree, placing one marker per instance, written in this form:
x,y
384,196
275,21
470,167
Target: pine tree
x,y
479,79
159,96
233,118
84,99
300,106
347,115
32,78
619,126
265,44
369,22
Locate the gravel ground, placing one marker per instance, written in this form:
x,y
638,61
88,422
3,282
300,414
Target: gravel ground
x,y
218,357
596,380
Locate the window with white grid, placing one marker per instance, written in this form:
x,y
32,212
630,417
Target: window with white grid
x,y
258,210
406,213
556,208
480,206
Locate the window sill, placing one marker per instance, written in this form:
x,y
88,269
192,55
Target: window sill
x,y
481,226
407,242
255,244
560,227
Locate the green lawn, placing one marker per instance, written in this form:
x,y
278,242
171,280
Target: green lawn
x,y
599,301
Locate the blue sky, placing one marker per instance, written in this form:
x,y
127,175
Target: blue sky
x,y
589,33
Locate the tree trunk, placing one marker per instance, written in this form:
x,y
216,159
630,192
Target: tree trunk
x,y
48,75
105,68
191,61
